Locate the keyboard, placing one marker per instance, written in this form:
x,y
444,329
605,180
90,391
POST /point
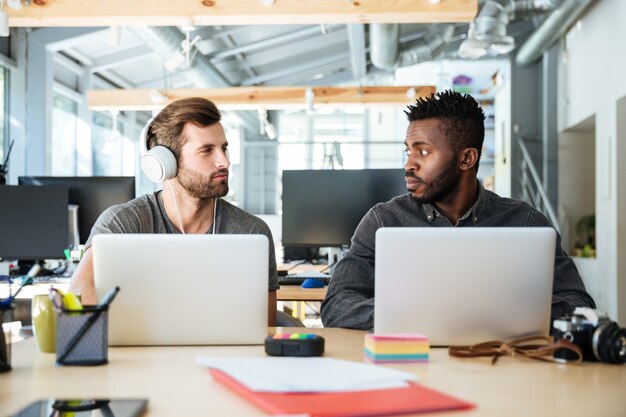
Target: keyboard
x,y
298,279
52,279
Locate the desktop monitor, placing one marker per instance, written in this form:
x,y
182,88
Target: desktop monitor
x,y
33,222
93,195
323,207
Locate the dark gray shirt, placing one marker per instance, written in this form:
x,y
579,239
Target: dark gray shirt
x,y
146,214
350,298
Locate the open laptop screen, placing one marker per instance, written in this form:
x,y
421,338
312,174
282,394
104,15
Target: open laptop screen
x,y
184,289
464,285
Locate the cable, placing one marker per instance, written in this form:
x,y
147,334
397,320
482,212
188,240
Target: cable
x,y
296,264
214,226
180,220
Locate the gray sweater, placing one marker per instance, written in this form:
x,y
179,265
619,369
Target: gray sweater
x,y
146,214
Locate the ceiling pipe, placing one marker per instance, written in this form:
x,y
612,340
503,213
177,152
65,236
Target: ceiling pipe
x,y
356,40
166,41
384,45
553,27
427,48
386,52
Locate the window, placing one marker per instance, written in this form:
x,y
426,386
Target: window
x,y
350,138
113,154
64,136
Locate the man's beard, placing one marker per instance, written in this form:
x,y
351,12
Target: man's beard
x,y
441,187
201,186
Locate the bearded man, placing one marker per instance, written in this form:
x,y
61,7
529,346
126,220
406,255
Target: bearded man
x,y
443,146
191,201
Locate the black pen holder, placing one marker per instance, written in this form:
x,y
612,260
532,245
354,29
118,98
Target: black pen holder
x,y
6,316
92,347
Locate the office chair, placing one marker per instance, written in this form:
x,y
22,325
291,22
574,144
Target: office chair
x,y
287,320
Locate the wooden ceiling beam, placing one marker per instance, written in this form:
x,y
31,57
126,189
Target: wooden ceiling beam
x,y
250,98
45,13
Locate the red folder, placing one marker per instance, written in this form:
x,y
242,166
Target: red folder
x,y
412,399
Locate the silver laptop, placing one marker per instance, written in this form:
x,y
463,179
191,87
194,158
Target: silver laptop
x,y
463,286
184,289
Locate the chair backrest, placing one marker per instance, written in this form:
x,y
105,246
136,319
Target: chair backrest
x,y
287,320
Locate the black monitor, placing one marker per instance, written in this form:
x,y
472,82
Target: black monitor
x,y
93,195
323,207
33,222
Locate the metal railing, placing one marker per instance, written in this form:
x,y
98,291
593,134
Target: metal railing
x,y
532,188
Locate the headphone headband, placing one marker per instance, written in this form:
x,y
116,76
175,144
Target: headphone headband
x,y
143,136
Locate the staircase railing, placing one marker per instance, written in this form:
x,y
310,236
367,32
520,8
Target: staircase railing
x,y
532,188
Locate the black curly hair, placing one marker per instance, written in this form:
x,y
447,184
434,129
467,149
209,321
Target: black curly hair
x,y
463,119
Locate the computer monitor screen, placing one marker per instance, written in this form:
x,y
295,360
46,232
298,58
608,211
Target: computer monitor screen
x,y
93,195
324,207
33,222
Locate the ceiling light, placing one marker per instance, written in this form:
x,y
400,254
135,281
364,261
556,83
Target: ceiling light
x,y
472,48
271,131
267,2
411,94
265,126
115,35
500,46
309,97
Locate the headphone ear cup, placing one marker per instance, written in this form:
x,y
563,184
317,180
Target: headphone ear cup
x,y
159,164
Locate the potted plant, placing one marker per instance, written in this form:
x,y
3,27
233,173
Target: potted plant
x,y
585,229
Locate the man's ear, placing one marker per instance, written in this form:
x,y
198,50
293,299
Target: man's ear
x,y
468,159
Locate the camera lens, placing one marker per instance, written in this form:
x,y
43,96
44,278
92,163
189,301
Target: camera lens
x,y
609,343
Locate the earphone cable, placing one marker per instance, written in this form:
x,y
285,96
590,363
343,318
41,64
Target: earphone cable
x,y
213,226
180,220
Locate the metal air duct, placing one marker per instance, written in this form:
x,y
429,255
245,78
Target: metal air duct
x,y
166,41
387,54
550,30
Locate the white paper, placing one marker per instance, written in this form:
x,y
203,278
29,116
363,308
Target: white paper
x,y
289,374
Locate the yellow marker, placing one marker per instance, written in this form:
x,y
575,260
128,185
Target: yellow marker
x,y
71,301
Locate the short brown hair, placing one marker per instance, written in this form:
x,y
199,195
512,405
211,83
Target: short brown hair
x,y
167,127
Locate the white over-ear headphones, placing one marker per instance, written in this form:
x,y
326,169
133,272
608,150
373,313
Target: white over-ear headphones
x,y
158,163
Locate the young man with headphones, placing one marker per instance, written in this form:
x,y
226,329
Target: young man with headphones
x,y
185,148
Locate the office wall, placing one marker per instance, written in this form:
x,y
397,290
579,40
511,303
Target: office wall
x,y
576,179
592,77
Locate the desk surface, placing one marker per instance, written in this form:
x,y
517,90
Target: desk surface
x,y
297,293
176,385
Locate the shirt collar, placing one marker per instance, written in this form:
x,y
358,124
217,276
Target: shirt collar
x,y
474,212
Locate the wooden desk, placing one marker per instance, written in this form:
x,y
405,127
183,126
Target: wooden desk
x,y
299,297
175,385
297,293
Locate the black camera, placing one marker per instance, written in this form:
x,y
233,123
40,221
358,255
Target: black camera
x,y
599,338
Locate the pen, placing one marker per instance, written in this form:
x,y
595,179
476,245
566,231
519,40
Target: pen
x,y
104,304
6,303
